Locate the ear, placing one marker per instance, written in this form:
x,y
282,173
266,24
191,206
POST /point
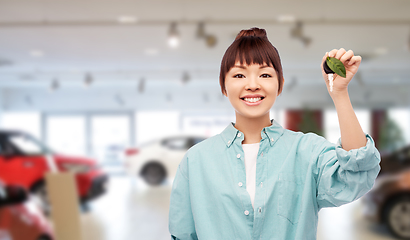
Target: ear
x,y
283,84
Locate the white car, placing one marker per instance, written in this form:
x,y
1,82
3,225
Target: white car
x,y
158,160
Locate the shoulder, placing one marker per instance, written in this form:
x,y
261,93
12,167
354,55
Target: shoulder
x,y
202,150
206,145
305,141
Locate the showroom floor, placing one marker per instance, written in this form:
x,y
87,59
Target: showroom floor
x,y
131,210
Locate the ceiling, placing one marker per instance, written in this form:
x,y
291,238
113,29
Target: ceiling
x,y
46,40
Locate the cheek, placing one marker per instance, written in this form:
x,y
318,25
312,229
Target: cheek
x,y
231,89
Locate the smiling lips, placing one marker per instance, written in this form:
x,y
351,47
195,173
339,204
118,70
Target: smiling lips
x,y
254,101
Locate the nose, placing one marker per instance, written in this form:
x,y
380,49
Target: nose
x,y
252,84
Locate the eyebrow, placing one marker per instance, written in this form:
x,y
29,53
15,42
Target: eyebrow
x,y
243,67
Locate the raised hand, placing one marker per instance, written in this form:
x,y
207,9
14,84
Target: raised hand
x,y
351,64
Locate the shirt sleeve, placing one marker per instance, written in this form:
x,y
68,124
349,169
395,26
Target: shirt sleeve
x,y
181,221
344,176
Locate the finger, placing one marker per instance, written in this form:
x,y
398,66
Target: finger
x,y
347,56
355,59
340,53
333,53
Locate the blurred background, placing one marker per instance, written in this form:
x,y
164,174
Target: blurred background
x,y
117,91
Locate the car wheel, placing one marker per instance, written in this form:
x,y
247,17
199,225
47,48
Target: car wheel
x,y
398,216
153,174
39,193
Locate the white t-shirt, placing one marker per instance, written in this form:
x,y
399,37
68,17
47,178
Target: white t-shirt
x,y
251,152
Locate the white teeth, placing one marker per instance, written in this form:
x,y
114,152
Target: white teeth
x,y
252,99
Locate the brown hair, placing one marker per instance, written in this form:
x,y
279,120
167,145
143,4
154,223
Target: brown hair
x,y
253,47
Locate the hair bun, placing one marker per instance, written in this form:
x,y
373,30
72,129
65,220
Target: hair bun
x,y
254,32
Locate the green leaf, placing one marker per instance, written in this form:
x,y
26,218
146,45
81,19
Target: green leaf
x,y
336,65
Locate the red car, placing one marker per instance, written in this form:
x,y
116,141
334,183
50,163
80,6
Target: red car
x,y
20,218
23,162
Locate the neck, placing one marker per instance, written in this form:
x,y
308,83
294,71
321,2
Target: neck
x,y
252,127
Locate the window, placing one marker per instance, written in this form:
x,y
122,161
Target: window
x,y
66,134
27,144
28,122
151,125
110,136
331,123
177,143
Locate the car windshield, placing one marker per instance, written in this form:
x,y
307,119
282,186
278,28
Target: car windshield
x,y
28,144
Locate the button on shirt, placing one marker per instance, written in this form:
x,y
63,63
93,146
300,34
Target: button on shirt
x,y
296,176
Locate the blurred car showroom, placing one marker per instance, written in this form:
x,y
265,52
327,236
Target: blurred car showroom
x,y
107,96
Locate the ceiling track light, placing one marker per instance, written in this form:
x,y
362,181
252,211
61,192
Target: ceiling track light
x,y
5,62
173,35
88,80
210,40
200,32
28,100
141,85
119,99
54,85
185,77
292,84
297,32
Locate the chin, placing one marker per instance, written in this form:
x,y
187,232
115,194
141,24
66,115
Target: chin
x,y
253,114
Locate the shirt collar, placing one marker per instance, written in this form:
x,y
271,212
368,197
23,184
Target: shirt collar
x,y
273,132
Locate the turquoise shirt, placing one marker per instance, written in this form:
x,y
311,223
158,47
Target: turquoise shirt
x,y
297,174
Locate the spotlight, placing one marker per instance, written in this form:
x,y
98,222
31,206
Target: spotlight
x,y
141,85
88,79
119,99
292,84
210,40
28,100
5,62
297,32
173,35
200,33
185,77
206,97
54,85
306,41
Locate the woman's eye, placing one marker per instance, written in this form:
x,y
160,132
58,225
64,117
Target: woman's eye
x,y
237,75
267,75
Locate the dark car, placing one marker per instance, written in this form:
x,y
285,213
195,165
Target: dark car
x,y
389,200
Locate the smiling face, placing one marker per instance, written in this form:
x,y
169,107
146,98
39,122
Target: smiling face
x,y
251,89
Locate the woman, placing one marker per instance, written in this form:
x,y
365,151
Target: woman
x,y
257,180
